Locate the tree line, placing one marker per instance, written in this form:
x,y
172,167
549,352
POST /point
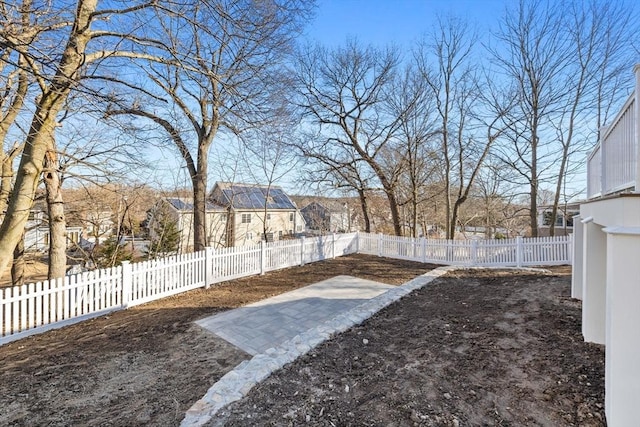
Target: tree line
x,y
88,86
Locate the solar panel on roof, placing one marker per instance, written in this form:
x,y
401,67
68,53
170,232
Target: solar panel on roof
x,y
245,197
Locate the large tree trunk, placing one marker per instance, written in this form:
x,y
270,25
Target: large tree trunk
x,y
57,222
454,215
200,200
365,211
42,126
6,180
395,212
387,186
17,267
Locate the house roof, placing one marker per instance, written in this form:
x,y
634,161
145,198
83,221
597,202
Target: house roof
x,y
332,205
243,196
186,204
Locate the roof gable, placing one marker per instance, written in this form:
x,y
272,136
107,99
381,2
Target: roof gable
x,y
183,204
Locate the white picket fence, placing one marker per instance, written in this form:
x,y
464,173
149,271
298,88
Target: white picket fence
x,y
518,252
37,307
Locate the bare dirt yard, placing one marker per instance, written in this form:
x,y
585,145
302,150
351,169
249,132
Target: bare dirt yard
x,y
149,364
474,348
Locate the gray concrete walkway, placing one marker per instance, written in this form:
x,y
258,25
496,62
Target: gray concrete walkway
x,y
257,327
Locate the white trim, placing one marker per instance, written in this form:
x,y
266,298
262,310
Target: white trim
x,y
628,231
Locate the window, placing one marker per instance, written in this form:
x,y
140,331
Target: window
x,y
280,235
546,219
246,218
291,216
73,236
268,216
299,228
290,232
249,236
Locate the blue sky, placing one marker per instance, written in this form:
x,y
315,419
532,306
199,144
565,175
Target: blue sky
x,y
380,22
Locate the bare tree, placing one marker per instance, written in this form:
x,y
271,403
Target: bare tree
x,y
57,68
459,107
338,171
601,34
413,150
223,74
342,93
269,159
533,56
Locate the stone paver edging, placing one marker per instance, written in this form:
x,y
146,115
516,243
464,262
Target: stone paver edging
x,y
235,384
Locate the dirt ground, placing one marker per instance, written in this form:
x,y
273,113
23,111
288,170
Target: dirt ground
x,y
35,270
149,364
473,348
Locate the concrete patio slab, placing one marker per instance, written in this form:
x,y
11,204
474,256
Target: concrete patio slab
x,y
257,327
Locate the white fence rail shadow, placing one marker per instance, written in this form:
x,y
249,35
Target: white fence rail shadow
x,y
37,307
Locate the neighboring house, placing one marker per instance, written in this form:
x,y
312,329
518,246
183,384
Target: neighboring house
x,y
36,235
606,264
328,217
180,211
258,212
237,215
97,225
564,219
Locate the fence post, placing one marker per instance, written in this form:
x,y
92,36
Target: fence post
x,y
208,262
357,242
333,245
519,250
302,250
126,283
570,248
379,244
474,252
424,249
263,257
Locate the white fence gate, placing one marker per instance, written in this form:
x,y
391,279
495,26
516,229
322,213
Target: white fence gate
x,y
37,307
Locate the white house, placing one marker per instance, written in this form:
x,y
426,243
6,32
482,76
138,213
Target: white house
x,y
606,269
564,219
179,210
329,216
237,215
258,212
36,234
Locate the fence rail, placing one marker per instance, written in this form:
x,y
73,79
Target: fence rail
x,y
518,252
37,307
614,164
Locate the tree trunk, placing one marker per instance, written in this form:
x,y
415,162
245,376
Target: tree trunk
x,y
395,212
533,203
17,268
454,215
57,222
199,212
200,202
5,182
365,211
42,126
